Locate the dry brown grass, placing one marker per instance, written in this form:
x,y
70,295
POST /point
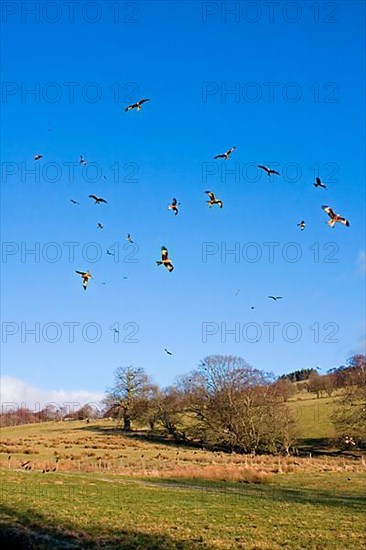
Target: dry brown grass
x,y
217,473
85,448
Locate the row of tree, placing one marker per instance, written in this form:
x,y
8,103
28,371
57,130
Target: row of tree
x,y
224,403
227,403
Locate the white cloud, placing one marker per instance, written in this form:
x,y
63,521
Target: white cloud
x,y
16,393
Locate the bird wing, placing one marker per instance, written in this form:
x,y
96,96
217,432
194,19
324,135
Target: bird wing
x,y
263,167
274,172
318,180
273,297
221,156
93,197
102,200
343,220
230,150
132,106
82,273
143,101
164,253
174,202
211,195
329,211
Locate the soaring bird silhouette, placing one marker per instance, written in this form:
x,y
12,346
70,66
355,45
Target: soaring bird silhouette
x,y
268,170
275,298
301,225
136,105
334,218
74,202
129,238
319,183
167,351
109,253
213,200
174,206
82,161
226,155
37,157
100,226
165,259
97,200
85,275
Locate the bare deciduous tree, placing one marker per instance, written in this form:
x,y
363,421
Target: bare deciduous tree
x,y
231,404
127,399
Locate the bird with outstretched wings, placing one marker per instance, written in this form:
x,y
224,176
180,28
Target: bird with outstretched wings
x,y
319,183
213,200
334,218
97,200
226,155
136,105
269,171
165,259
85,275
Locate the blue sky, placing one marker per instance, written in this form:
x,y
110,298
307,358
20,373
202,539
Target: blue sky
x,y
166,150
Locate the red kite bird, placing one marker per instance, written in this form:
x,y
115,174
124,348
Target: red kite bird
x,y
97,200
213,200
268,170
174,206
85,275
226,155
318,183
165,259
334,218
137,105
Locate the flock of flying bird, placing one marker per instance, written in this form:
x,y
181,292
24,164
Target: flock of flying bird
x,y
213,200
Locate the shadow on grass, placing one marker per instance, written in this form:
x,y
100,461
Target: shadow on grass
x,y
33,531
145,436
316,446
325,446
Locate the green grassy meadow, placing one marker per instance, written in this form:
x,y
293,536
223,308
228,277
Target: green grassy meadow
x,y
106,489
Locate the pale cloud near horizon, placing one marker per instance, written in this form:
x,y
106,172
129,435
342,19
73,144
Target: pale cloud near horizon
x,y
16,393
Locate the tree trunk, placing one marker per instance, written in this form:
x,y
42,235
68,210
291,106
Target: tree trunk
x,y
126,423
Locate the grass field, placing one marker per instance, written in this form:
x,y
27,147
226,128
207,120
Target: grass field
x,y
106,489
101,511
312,416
